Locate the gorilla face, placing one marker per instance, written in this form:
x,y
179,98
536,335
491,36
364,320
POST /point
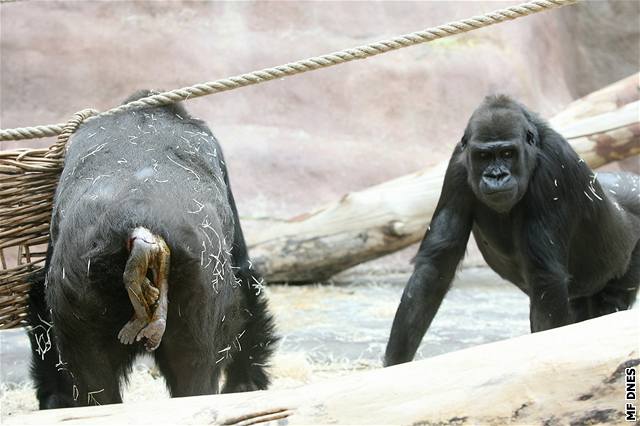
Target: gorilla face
x,y
500,154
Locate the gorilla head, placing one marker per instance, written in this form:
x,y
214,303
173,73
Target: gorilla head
x,y
500,144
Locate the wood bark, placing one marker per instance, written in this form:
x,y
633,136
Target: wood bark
x,y
379,220
608,99
569,375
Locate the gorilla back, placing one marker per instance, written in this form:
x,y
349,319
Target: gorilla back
x,y
160,170
542,219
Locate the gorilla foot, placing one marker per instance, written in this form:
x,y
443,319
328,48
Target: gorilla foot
x,y
130,330
153,334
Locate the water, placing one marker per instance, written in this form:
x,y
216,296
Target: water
x,y
348,321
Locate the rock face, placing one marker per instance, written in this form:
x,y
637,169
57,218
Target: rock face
x,y
600,41
306,140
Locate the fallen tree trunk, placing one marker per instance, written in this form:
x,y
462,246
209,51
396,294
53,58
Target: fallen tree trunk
x,y
608,99
382,219
569,375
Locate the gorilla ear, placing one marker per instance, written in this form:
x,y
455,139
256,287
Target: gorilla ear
x,y
531,138
464,140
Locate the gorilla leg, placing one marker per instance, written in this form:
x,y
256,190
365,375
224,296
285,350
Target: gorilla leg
x,y
97,369
187,364
620,293
581,308
52,381
246,371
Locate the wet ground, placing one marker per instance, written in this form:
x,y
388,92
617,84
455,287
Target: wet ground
x,y
329,329
350,319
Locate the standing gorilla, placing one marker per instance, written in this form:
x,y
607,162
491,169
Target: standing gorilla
x,y
541,218
144,202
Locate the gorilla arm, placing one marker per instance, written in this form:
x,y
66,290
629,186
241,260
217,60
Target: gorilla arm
x,y
440,252
547,277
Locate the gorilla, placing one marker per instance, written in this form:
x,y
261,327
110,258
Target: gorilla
x,y
146,254
566,236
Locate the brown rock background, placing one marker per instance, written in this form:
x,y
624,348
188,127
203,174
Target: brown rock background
x,y
300,142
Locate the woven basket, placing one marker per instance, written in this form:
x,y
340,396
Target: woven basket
x,y
28,180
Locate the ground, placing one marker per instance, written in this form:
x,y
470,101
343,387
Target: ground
x,y
327,330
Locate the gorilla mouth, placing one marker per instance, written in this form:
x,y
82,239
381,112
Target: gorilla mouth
x,y
500,199
494,191
498,191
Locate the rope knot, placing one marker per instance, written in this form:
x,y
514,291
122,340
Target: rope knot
x,y
57,150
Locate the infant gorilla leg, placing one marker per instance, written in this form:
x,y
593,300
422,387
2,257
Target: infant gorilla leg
x,y
148,253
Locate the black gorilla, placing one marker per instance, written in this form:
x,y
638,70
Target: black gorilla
x,y
542,219
160,169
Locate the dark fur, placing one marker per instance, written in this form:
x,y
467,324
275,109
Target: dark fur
x,y
575,255
130,170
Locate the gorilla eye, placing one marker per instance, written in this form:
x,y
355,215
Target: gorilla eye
x,y
508,153
483,155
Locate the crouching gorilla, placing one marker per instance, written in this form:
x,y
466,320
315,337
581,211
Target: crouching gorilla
x,y
144,218
542,220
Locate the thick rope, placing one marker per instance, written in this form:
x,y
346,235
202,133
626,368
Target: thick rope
x,y
310,64
31,132
57,150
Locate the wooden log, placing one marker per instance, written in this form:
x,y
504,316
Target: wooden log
x,y
569,375
608,137
379,220
608,99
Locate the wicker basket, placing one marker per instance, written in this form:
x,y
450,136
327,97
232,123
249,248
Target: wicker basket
x,y
28,179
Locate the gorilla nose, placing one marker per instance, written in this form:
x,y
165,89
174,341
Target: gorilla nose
x,y
496,181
